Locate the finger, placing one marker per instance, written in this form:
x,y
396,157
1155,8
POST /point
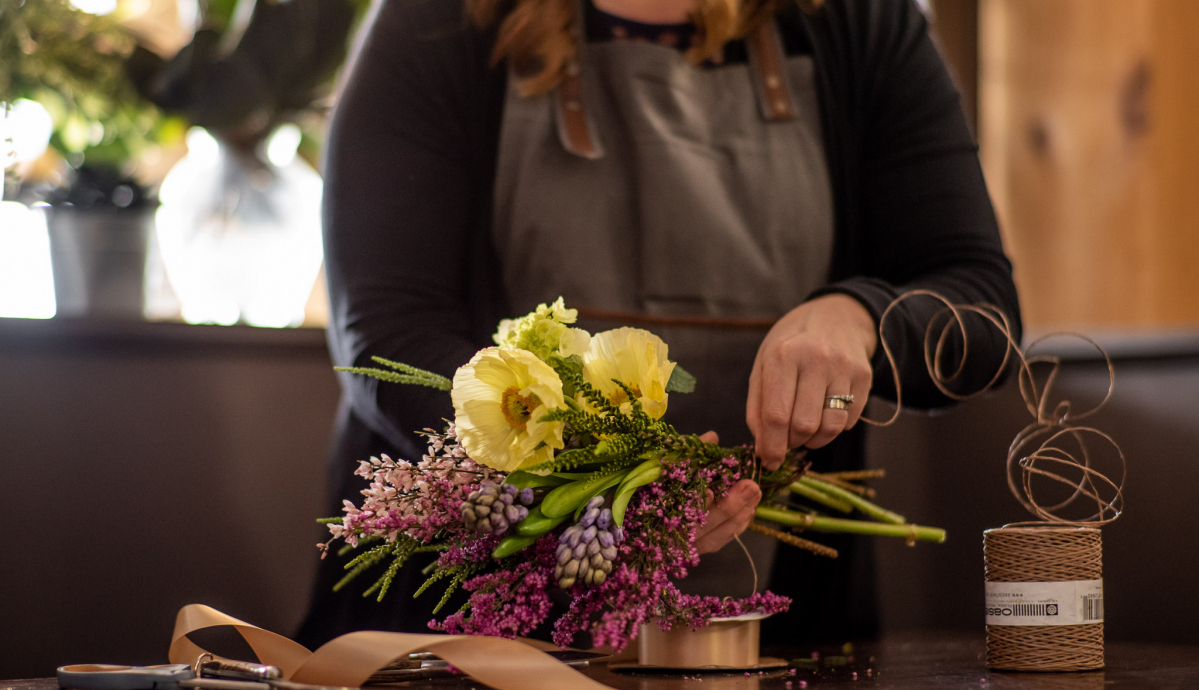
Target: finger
x,y
808,407
743,493
722,534
778,383
753,403
832,422
861,378
709,437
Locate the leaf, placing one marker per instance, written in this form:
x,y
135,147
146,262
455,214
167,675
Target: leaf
x,y
680,381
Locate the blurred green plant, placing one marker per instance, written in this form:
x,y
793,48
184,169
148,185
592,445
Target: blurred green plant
x,y
73,63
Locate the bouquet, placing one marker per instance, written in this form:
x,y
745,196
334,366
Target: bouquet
x,y
559,471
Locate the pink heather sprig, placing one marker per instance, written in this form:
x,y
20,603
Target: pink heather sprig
x,y
421,500
508,602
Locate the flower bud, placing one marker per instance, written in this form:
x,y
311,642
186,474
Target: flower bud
x,y
589,533
605,519
605,538
596,502
598,577
589,518
571,569
580,550
482,510
486,499
609,553
566,582
564,554
498,523
526,496
593,548
597,560
512,513
510,489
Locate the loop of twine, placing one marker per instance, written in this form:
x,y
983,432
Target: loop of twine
x,y
1037,451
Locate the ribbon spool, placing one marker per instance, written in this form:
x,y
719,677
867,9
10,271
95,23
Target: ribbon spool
x,y
725,644
1044,578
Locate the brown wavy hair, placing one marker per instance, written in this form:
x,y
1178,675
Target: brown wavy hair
x,y
534,35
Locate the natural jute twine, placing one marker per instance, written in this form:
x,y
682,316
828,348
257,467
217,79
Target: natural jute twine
x,y
1051,471
1044,554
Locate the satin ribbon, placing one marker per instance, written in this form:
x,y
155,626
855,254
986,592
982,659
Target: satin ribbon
x,y
351,659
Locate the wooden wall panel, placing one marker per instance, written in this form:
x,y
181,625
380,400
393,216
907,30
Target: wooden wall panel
x,y
1086,127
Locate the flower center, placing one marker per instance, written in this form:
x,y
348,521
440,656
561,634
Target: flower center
x,y
518,408
620,397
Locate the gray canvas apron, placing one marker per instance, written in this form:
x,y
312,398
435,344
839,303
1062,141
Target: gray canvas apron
x,y
691,201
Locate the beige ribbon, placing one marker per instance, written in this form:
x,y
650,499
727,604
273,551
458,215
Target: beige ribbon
x,y
351,659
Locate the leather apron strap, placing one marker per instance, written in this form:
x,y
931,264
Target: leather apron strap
x,y
577,130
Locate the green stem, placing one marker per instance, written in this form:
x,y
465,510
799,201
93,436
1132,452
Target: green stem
x,y
875,511
816,523
820,497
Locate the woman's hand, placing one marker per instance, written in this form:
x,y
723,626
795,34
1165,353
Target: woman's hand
x,y
731,515
819,349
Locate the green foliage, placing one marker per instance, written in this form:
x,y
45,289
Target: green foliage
x,y
73,63
681,381
402,373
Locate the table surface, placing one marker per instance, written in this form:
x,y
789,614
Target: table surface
x,y
923,660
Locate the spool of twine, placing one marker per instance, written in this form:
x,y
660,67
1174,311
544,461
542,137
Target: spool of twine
x,y
1044,554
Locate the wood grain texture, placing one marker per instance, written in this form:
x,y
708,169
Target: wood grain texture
x,y
1087,134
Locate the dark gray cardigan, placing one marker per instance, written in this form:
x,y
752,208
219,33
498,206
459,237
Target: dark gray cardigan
x,y
409,171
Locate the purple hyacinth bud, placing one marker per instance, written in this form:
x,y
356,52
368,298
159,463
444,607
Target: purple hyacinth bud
x,y
574,536
618,534
499,523
558,573
485,500
597,502
604,538
474,496
604,521
488,488
512,513
609,553
589,533
511,489
482,510
571,569
580,550
566,582
607,567
526,496
589,518
589,578
522,511
593,548
597,559
565,553
598,577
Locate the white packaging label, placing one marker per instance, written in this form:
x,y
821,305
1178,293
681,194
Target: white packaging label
x,y
1045,603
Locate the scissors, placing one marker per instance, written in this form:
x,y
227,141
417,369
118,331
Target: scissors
x,y
243,676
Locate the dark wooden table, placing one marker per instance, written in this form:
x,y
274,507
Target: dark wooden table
x,y
897,663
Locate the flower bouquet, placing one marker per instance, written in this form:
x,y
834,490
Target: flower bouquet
x,y
558,470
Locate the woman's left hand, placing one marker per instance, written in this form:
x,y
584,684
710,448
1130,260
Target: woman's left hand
x,y
731,514
819,349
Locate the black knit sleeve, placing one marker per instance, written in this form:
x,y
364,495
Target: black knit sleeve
x,y
922,218
399,203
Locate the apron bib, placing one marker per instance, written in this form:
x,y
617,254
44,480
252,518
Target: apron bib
x,y
691,201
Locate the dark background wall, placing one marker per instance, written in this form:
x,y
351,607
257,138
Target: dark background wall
x,y
146,467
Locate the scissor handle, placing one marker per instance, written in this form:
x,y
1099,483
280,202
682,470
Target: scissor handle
x,y
112,677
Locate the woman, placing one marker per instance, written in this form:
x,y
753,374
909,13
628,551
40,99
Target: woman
x,y
753,180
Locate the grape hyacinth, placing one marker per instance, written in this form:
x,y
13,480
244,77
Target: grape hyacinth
x,y
494,508
587,549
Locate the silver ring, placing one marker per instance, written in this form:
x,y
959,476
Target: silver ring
x,y
838,402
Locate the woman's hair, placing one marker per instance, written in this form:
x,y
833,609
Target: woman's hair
x,y
535,35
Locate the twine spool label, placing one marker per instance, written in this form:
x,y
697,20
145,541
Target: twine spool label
x,y
1074,602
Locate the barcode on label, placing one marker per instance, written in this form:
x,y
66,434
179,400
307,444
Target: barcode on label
x,y
1092,607
1031,610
